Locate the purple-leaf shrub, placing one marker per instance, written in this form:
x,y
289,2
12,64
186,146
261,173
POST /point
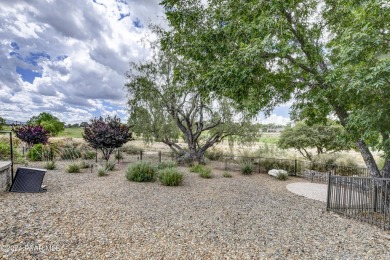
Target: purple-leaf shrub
x,y
106,134
32,134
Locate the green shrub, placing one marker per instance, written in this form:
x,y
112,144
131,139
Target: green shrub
x,y
4,151
197,168
281,176
101,172
50,165
206,173
73,168
88,155
41,152
141,172
84,165
170,177
110,165
214,154
246,167
166,164
227,175
129,149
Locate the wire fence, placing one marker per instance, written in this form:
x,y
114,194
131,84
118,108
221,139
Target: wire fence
x,y
364,199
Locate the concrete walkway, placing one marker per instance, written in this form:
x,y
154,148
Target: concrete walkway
x,y
313,191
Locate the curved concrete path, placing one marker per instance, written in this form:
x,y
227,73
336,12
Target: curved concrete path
x,y
313,191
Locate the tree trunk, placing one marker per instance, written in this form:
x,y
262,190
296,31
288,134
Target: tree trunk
x,y
368,159
386,169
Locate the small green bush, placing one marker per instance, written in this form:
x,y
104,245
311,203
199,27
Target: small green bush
x,y
4,151
170,177
281,176
166,164
88,155
206,173
141,172
73,168
227,175
101,172
41,152
50,165
246,167
84,165
214,154
197,168
110,166
133,149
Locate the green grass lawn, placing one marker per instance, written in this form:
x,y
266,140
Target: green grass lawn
x,y
72,132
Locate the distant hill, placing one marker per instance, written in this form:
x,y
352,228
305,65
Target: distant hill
x,y
12,122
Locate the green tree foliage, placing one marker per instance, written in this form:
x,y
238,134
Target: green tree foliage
x,y
2,123
48,122
331,56
323,138
163,105
106,134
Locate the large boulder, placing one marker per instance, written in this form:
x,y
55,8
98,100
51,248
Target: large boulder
x,y
275,172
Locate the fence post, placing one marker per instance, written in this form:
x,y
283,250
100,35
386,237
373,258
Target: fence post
x,y
140,155
329,189
225,164
295,167
118,156
159,156
96,156
375,196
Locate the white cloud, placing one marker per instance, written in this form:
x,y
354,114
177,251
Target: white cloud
x,y
79,51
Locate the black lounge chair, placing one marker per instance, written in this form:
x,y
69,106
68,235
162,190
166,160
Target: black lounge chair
x,y
28,180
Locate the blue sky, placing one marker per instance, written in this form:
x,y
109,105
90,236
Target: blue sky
x,y
69,57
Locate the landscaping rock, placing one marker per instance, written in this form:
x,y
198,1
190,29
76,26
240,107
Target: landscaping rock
x,y
275,172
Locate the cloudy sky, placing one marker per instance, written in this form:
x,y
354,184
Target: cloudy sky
x,y
69,57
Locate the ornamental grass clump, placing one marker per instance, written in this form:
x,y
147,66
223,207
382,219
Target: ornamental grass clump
x,y
110,166
282,176
246,167
102,172
227,175
206,173
50,165
197,168
73,168
141,172
170,177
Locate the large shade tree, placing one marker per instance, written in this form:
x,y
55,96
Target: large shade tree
x,y
164,105
49,122
331,57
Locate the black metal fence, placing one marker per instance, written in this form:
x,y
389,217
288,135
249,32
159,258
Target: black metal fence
x,y
313,171
364,199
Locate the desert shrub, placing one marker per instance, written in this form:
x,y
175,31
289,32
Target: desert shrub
x,y
166,164
141,172
50,165
101,172
347,167
73,168
227,175
170,176
130,149
214,154
84,165
205,173
246,167
70,153
197,168
323,162
88,155
41,152
110,165
281,176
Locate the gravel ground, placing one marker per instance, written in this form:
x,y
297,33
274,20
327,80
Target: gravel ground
x,y
245,217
